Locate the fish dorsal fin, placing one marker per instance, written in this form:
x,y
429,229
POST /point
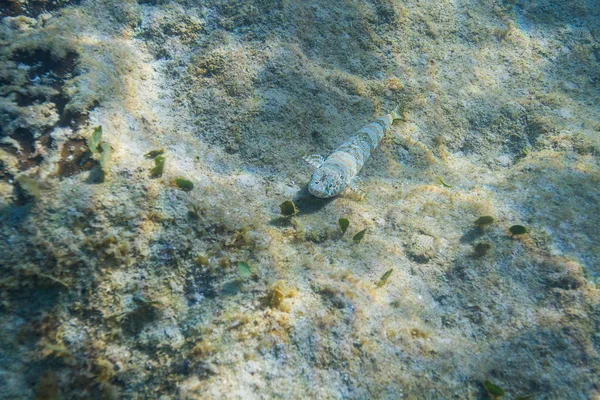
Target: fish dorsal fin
x,y
314,160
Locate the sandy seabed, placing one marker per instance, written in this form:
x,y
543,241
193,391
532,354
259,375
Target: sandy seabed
x,y
115,282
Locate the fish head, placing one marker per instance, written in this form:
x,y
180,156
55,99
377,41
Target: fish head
x,y
327,181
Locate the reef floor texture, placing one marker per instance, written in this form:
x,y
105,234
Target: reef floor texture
x,y
146,147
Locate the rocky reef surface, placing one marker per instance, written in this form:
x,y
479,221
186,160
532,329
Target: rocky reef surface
x,y
149,258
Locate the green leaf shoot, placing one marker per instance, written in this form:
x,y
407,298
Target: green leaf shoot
x,y
154,153
54,279
159,167
517,229
344,224
94,140
184,184
143,300
493,389
104,157
360,235
444,184
288,208
384,278
244,269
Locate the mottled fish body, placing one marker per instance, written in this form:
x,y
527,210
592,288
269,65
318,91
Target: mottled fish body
x,y
337,171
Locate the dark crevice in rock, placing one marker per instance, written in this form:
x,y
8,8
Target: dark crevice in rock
x,y
32,8
75,158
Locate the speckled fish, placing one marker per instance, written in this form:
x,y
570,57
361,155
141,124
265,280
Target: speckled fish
x,y
339,170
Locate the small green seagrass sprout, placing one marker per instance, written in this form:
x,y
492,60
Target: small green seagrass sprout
x,y
493,390
159,167
444,184
359,236
141,299
94,140
344,224
195,211
54,279
288,209
183,184
104,157
94,144
244,270
517,229
154,153
384,278
483,221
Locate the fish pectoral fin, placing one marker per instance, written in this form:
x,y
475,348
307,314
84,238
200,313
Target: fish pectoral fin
x,y
398,112
353,184
314,160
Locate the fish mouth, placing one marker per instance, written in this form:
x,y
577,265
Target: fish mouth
x,y
320,195
317,192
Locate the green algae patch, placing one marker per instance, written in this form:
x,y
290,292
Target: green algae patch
x,y
244,270
279,291
141,299
54,279
360,235
481,249
104,158
444,184
154,153
384,278
201,260
344,224
159,167
276,297
288,208
483,221
183,184
493,390
517,229
95,145
94,140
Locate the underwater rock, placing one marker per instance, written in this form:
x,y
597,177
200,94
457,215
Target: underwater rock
x,y
422,248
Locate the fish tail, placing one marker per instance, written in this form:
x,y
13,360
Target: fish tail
x,y
397,113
